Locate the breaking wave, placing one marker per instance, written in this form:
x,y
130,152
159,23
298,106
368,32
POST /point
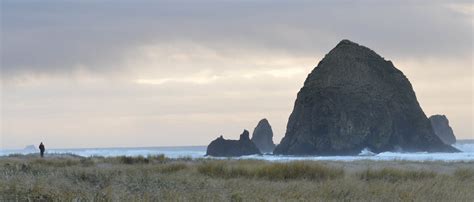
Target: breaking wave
x,y
467,154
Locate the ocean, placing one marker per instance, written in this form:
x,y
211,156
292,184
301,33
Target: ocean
x,y
466,146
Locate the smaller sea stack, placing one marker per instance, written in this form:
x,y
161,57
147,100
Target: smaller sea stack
x,y
221,147
262,137
440,124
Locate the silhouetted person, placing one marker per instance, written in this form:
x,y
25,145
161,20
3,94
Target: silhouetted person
x,y
41,147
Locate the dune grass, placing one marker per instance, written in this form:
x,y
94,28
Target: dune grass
x,y
464,174
271,171
394,175
157,178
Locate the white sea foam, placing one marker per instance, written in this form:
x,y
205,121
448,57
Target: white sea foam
x,y
366,152
465,147
466,155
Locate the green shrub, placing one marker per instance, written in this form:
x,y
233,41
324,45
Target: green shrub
x,y
160,158
393,175
174,167
133,160
236,197
464,174
214,169
184,158
274,171
57,162
86,162
219,169
298,170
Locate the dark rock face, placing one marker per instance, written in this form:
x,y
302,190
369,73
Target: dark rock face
x,y
442,129
262,137
354,99
228,148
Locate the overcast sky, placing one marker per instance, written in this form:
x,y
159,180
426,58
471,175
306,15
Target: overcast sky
x,y
162,73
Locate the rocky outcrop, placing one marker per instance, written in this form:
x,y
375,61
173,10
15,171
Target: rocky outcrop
x,y
442,129
229,148
262,137
355,99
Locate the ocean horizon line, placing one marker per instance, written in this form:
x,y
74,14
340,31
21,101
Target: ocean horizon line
x,y
118,147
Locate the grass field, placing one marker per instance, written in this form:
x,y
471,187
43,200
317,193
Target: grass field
x,y
157,178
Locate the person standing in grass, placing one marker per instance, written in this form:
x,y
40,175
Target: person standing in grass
x,y
42,149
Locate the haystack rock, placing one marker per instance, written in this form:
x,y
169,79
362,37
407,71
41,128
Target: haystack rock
x,y
442,129
228,148
262,137
355,99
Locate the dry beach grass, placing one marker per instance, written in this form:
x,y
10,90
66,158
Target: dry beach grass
x,y
67,177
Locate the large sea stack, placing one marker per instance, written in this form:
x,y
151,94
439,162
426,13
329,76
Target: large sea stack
x,y
262,136
442,129
230,148
355,99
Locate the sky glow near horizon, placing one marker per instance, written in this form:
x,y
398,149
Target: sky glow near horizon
x,y
173,73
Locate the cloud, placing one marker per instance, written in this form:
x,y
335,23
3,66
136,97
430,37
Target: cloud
x,y
60,37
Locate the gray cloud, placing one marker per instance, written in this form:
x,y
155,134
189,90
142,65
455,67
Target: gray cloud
x,y
51,37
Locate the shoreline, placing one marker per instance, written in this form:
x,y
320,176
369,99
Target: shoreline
x,y
384,156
